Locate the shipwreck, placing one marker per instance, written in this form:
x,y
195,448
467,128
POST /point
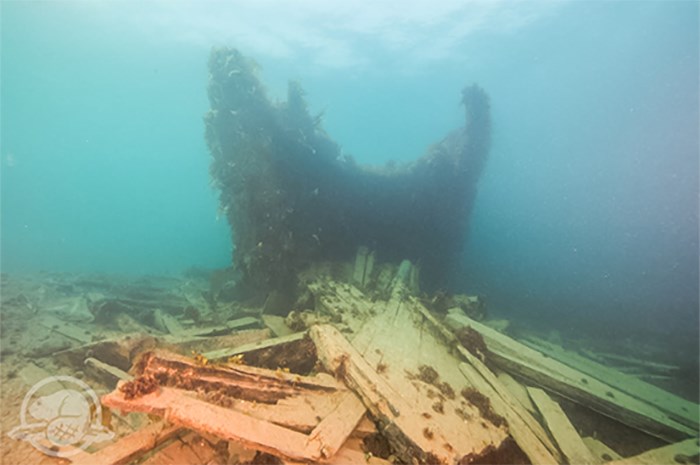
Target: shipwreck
x,y
334,341
293,198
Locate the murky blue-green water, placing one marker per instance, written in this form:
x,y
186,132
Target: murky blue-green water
x,y
587,212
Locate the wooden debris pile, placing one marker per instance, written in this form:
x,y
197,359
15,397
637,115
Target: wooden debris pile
x,y
368,372
430,388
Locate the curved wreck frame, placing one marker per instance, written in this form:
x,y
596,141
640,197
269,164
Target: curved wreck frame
x,y
292,198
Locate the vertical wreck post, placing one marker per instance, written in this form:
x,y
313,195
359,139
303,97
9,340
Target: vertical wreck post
x,y
293,198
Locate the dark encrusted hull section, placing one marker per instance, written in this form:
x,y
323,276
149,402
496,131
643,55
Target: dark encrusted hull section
x,y
293,198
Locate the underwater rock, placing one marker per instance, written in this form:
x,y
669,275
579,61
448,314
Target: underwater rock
x,y
292,198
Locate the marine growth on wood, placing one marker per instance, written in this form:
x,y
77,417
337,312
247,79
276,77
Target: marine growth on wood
x,y
292,197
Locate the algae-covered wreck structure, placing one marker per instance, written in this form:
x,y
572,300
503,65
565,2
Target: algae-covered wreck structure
x,y
292,197
363,363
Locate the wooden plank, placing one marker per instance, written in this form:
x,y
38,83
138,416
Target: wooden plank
x,y
231,425
684,452
358,272
677,408
233,325
68,330
106,372
247,382
342,302
369,268
183,335
650,377
561,429
257,403
415,429
511,407
335,428
523,435
518,390
568,382
167,323
627,360
187,344
277,325
600,450
130,447
299,412
220,354
338,356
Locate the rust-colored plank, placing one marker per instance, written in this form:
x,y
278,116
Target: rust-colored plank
x,y
183,410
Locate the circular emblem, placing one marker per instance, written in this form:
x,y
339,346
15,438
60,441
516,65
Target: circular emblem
x,y
60,416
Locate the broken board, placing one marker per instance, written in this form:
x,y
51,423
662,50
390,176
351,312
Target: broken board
x,y
404,374
261,409
540,370
558,424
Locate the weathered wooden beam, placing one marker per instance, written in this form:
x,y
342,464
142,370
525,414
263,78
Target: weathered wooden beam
x,y
570,383
525,429
601,450
518,390
677,408
358,271
684,452
66,329
246,382
335,428
268,410
342,303
109,374
277,325
626,360
221,354
167,323
186,344
230,424
524,436
188,412
403,408
561,429
226,328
